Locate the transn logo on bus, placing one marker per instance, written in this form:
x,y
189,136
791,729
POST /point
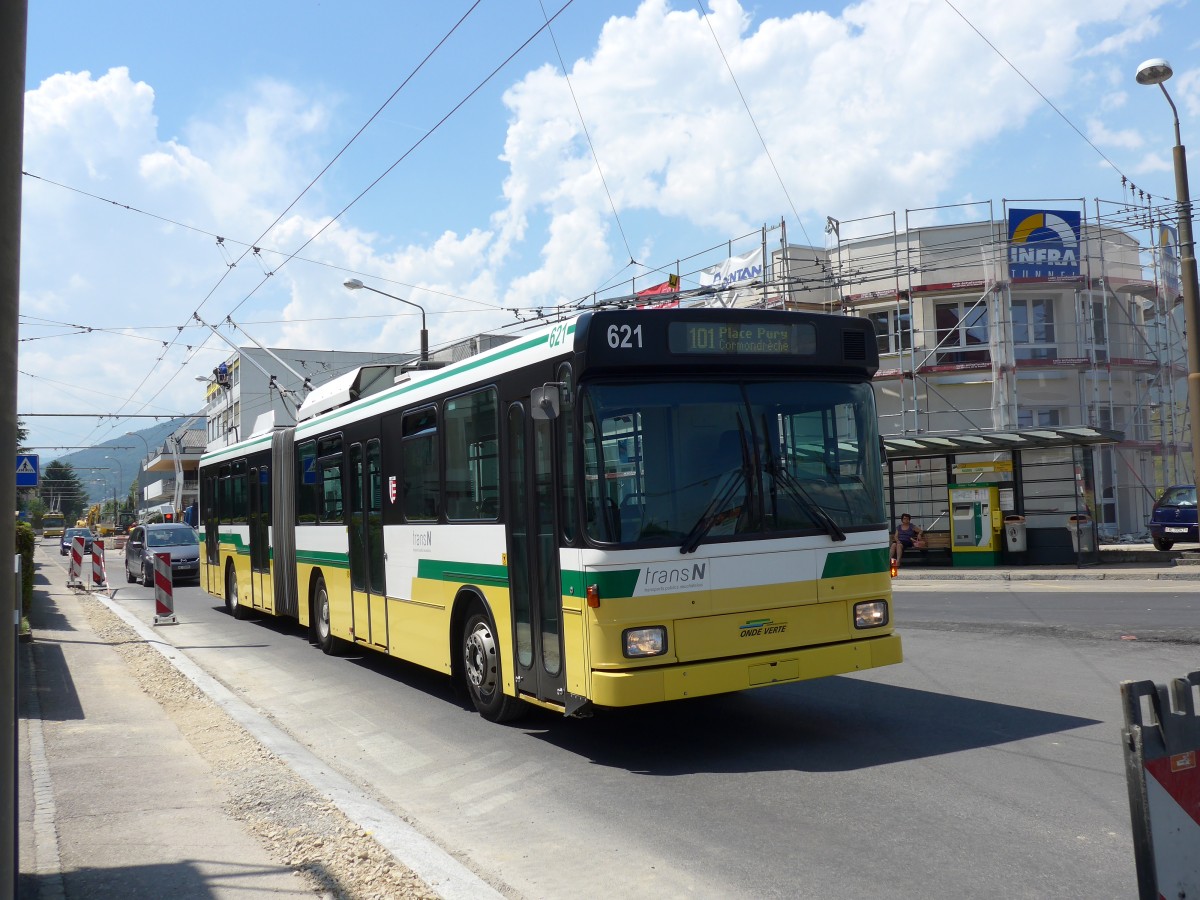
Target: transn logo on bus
x,y
759,627
688,577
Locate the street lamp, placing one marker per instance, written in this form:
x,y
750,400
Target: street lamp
x,y
142,467
354,284
145,443
116,508
1157,71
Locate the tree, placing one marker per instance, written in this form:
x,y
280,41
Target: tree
x,y
22,436
62,489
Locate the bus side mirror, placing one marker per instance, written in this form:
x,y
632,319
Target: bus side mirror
x,y
545,402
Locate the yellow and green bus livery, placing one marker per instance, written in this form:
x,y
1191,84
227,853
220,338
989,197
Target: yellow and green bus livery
x,y
624,508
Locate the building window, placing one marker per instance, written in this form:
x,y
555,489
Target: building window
x,y
1099,329
962,332
1033,329
893,331
1039,418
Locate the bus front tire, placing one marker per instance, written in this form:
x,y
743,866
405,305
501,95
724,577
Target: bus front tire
x,y
481,670
231,594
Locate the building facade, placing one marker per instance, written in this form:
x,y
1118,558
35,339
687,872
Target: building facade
x,y
1039,318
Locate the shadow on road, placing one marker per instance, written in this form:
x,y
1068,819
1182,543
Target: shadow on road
x,y
830,725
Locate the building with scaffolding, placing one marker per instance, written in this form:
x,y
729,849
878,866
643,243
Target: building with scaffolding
x,y
1041,321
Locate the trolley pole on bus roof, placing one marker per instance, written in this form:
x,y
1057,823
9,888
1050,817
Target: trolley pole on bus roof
x,y
354,284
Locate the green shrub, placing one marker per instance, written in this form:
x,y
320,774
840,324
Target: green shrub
x,y
26,541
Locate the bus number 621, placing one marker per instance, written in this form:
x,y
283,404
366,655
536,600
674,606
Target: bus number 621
x,y
622,337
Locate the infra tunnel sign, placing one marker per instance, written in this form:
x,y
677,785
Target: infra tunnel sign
x,y
1161,742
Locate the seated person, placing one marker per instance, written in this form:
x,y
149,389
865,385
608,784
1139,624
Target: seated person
x,y
908,537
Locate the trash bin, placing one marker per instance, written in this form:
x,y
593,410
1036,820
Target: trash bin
x,y
1014,534
1081,533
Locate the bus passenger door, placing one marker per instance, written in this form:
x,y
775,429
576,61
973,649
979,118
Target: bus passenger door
x,y
533,570
260,542
364,528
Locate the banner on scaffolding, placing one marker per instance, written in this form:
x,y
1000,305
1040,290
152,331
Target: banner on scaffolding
x,y
1168,262
734,274
1043,243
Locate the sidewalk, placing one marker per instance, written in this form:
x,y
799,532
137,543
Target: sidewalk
x,y
1118,562
113,800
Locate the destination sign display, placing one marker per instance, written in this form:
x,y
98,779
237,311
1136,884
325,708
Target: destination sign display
x,y
741,338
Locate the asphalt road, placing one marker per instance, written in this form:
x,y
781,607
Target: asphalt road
x,y
988,764
1108,610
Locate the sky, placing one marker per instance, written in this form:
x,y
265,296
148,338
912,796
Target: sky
x,y
239,161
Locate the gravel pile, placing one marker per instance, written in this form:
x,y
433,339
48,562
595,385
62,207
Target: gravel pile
x,y
298,826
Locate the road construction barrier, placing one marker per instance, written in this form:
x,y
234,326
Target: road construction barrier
x,y
99,578
75,569
1161,741
164,591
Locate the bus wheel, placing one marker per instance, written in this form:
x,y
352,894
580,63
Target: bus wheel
x,y
481,670
231,593
322,630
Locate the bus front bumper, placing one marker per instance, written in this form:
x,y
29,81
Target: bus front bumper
x,y
631,688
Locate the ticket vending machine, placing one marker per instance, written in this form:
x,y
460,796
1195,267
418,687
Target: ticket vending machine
x,y
976,526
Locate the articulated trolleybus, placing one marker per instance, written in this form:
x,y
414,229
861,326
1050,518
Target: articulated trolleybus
x,y
623,508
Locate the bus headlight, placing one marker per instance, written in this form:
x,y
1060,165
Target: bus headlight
x,y
645,641
870,614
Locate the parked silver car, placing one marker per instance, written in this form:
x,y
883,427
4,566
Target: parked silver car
x,y
166,537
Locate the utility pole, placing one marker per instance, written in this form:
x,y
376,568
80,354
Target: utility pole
x,y
14,18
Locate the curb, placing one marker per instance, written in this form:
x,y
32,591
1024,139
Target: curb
x,y
444,874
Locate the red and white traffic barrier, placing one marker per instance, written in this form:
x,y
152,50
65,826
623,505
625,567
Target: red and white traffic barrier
x,y
164,591
1162,768
99,579
75,569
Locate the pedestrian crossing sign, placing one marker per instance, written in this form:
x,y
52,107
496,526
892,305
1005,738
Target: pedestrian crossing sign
x,y
27,470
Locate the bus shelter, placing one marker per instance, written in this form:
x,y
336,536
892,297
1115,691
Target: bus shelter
x,y
1041,480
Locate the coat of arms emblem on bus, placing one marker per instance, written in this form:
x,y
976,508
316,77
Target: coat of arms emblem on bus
x,y
392,489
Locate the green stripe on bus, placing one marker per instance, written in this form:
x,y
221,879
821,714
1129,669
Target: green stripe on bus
x,y
450,570
235,541
321,558
855,562
620,583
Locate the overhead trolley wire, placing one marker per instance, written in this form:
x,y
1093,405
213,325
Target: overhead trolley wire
x,y
750,115
586,133
229,267
421,140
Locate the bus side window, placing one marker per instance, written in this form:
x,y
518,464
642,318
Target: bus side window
x,y
419,461
329,464
472,464
306,483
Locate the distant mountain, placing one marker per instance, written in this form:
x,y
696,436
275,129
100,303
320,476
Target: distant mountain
x,y
128,462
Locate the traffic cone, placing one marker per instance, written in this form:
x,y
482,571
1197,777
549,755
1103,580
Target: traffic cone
x,y
164,591
75,569
99,579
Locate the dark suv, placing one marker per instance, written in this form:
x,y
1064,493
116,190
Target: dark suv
x,y
64,544
1174,517
165,537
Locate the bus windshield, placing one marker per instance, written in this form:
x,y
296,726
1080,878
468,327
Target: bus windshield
x,y
689,462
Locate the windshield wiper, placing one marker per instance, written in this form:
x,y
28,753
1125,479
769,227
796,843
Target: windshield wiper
x,y
717,505
800,494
